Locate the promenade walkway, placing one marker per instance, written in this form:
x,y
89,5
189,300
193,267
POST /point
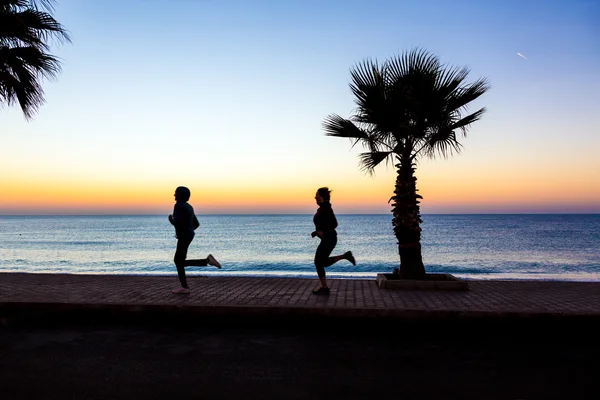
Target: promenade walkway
x,y
128,337
251,296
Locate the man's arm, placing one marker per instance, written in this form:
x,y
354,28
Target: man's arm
x,y
173,217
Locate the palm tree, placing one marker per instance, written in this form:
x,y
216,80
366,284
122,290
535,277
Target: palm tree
x,y
408,107
25,29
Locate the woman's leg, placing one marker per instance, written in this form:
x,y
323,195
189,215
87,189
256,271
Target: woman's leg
x,y
346,256
323,280
322,257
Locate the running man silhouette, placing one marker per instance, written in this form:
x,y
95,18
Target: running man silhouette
x,y
185,222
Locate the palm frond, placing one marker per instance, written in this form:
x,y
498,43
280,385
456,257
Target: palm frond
x,y
467,94
365,74
8,83
26,26
412,79
370,94
463,123
31,58
364,82
21,69
46,4
442,142
22,86
450,79
37,4
31,27
334,125
415,60
368,161
14,3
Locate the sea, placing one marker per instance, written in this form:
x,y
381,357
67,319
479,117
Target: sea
x,y
484,247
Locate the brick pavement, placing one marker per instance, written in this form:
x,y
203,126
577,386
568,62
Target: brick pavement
x,y
292,296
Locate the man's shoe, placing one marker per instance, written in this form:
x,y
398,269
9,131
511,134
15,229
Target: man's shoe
x,y
181,290
348,255
322,291
212,261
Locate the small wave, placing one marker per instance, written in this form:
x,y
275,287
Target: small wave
x,y
574,277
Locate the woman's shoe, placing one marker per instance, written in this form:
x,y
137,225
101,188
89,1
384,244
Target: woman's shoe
x,y
181,290
213,261
322,291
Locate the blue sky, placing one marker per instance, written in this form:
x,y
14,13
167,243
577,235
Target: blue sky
x,y
228,97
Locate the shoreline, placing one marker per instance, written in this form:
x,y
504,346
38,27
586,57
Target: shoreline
x,y
511,277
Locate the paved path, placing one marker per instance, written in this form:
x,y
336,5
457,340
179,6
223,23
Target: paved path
x,y
355,356
292,296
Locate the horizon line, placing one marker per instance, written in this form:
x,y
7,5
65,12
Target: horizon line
x,y
291,214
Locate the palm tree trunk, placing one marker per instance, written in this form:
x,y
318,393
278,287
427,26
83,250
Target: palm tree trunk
x,y
406,222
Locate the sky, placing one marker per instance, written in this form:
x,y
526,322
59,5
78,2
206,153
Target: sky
x,y
228,98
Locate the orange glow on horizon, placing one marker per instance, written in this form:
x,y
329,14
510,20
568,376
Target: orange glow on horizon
x,y
356,194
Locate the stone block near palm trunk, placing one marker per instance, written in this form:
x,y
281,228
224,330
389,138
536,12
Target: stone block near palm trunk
x,y
431,282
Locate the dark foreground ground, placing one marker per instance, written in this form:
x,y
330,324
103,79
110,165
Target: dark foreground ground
x,y
300,359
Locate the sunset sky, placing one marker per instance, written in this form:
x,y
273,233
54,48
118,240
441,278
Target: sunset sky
x,y
227,97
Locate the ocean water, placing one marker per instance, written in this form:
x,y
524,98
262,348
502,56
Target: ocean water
x,y
552,247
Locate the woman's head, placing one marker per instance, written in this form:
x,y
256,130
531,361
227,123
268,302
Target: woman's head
x,y
182,193
323,194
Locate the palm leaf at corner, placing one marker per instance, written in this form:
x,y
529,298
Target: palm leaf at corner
x,y
26,26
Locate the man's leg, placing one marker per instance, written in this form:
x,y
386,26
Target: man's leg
x,y
179,259
200,262
203,262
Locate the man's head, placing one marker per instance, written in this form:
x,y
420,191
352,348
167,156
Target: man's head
x,y
182,193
